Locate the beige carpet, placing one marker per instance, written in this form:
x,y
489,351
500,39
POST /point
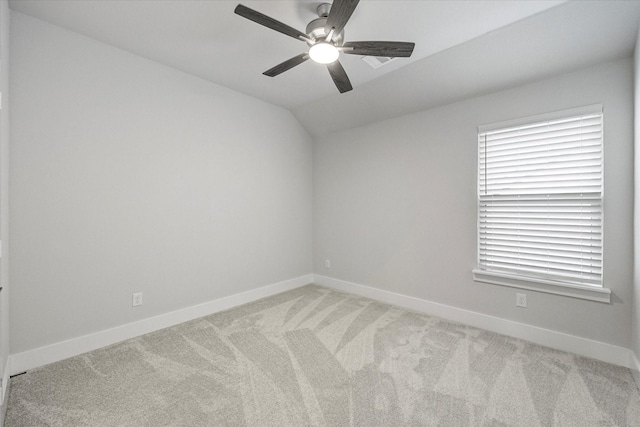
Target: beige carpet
x,y
314,356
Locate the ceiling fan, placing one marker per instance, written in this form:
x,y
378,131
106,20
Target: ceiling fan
x,y
325,37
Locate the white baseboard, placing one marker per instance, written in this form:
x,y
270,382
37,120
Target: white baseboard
x,y
41,356
635,368
549,338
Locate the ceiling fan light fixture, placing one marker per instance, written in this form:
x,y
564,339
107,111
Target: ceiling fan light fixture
x,y
323,53
325,36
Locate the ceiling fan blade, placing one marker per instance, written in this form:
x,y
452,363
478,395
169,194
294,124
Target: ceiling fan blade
x,y
389,49
341,11
286,65
339,77
269,22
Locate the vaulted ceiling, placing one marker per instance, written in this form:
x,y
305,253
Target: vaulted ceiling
x,y
463,48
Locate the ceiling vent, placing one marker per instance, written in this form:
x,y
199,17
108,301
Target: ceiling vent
x,y
377,61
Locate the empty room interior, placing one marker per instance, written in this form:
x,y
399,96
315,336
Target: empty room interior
x,y
288,213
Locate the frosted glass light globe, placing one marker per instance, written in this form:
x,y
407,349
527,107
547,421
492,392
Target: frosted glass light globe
x,y
323,53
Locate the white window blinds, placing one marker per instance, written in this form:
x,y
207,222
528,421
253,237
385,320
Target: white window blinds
x,y
540,199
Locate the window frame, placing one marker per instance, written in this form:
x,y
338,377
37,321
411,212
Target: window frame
x,y
587,292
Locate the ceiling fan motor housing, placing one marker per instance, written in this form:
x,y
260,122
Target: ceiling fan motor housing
x,y
316,31
316,28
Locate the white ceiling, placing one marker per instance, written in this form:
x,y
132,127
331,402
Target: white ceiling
x,y
463,48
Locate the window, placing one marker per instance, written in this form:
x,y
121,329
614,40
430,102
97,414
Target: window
x,y
540,188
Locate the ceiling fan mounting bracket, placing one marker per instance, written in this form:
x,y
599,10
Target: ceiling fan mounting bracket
x,y
323,10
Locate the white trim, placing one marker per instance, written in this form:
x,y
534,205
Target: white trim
x,y
634,365
31,359
579,111
5,379
554,339
547,286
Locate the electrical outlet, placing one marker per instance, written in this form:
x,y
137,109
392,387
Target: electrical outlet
x,y
521,300
137,299
327,263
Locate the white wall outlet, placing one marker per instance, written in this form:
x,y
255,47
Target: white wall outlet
x,y
521,300
327,263
137,299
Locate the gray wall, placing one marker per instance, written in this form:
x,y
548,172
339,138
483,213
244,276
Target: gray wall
x,y
395,203
4,187
128,176
636,207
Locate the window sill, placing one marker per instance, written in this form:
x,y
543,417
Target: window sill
x,y
574,291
